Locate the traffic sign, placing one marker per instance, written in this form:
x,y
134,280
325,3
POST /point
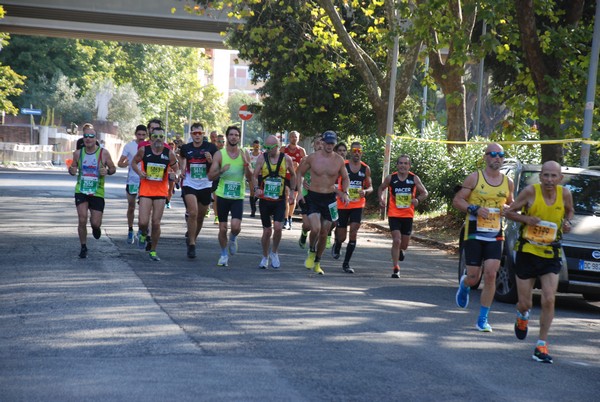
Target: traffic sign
x,y
26,110
244,113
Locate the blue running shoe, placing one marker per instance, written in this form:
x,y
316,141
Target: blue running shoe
x,y
130,237
483,325
462,294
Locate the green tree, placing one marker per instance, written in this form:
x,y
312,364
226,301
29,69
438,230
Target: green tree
x,y
10,82
540,64
320,42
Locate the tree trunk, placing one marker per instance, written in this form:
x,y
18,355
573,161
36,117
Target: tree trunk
x,y
549,129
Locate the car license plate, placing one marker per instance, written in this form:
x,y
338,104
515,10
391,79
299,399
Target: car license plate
x,y
589,266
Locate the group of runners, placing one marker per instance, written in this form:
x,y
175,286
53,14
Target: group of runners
x,y
330,186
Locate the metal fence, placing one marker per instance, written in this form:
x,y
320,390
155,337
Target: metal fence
x,y
22,155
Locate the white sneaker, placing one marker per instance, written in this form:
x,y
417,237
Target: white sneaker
x,y
264,263
223,261
233,246
275,260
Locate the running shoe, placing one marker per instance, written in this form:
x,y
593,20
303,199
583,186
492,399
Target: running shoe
x,y
233,247
462,294
347,268
141,241
540,354
318,269
216,221
191,251
275,263
130,237
286,224
168,205
309,263
396,272
264,263
223,261
401,256
83,252
483,325
154,256
96,232
521,328
335,250
302,241
289,224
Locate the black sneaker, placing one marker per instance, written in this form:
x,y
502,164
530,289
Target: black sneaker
x,y
335,250
96,232
540,354
396,272
401,256
83,252
191,251
347,268
521,328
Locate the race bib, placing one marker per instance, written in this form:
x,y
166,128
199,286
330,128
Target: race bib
x,y
198,171
133,188
232,189
333,211
491,223
403,200
272,188
542,234
89,184
155,171
354,192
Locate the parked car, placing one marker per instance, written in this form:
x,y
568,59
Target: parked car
x,y
581,247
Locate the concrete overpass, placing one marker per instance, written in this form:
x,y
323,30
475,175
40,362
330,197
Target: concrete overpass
x,y
145,21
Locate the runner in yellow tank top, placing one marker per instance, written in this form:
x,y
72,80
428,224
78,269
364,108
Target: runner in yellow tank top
x,y
483,198
546,210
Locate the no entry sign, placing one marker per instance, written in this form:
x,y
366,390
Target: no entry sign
x,y
244,113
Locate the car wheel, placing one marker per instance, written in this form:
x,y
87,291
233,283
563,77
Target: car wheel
x,y
506,284
462,269
591,297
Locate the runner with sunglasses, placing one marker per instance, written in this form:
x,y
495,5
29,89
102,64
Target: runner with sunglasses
x,y
270,181
91,164
195,159
483,197
359,174
156,159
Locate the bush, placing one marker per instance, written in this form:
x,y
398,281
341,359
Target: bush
x,y
440,170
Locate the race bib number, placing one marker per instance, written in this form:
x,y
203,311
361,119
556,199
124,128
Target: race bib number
x,y
333,211
543,234
272,188
89,184
232,189
491,223
155,171
133,188
198,171
354,192
403,200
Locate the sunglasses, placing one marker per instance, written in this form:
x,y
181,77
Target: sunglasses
x,y
198,132
357,150
89,136
158,136
270,147
221,141
495,154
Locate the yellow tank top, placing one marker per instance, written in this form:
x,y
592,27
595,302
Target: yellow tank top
x,y
493,198
542,239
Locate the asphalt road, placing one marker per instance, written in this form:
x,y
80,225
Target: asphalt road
x,y
117,326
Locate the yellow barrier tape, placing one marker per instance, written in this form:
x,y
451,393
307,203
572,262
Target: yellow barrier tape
x,y
529,142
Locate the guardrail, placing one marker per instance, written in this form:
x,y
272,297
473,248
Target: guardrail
x,y
25,155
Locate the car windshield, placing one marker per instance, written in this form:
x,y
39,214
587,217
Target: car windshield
x,y
585,190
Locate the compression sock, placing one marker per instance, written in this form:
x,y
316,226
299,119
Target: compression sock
x,y
349,250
